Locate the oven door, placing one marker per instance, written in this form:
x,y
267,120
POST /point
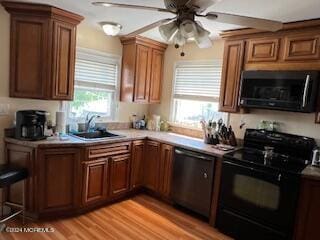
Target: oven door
x,y
267,197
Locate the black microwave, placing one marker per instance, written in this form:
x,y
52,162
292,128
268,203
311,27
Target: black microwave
x,y
294,91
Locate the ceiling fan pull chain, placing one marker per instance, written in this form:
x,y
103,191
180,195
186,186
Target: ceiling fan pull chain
x,y
182,54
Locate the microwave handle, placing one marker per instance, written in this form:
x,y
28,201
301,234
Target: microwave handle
x,y
305,91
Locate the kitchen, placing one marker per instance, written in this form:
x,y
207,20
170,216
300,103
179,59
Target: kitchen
x,y
101,187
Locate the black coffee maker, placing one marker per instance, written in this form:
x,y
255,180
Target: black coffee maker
x,y
30,125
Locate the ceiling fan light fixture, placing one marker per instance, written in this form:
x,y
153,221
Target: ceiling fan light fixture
x,y
168,31
179,39
188,29
203,37
111,28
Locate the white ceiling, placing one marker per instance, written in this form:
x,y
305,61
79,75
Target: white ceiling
x,y
130,19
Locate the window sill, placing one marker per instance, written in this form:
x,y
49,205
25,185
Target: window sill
x,y
179,125
186,130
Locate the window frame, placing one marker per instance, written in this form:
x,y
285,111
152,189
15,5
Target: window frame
x,y
226,116
96,55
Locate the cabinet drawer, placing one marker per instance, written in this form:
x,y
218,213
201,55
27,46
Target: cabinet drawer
x,y
109,150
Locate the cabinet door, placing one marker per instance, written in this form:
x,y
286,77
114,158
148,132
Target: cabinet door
x,y
308,217
137,161
59,179
64,43
23,157
263,50
231,72
95,183
29,57
143,72
151,165
165,169
156,76
119,174
302,47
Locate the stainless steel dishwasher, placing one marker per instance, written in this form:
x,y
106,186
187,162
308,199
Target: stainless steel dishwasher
x,y
192,180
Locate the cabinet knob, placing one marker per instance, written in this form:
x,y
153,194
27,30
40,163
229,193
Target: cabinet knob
x,y
205,175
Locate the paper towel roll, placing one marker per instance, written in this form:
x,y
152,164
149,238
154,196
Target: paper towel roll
x,y
61,122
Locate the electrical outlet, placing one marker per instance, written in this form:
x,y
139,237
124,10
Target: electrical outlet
x,y
4,109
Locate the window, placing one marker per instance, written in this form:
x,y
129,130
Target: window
x,y
96,77
196,92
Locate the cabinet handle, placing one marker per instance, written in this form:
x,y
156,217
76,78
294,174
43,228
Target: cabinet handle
x,y
205,175
279,177
305,91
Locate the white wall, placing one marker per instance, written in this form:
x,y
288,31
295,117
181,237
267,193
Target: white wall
x,y
290,122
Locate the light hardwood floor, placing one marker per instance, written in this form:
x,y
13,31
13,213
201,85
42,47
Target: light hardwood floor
x,y
139,218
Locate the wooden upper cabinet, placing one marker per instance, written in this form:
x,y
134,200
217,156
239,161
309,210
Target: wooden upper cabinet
x,y
165,169
64,48
137,162
231,73
156,76
151,165
42,51
263,50
142,70
29,49
302,47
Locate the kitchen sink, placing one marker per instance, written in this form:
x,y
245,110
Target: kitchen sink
x,y
95,135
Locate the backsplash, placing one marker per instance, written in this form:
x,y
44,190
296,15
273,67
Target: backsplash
x,y
289,122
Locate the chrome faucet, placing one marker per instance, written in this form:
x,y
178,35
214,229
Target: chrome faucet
x,y
90,123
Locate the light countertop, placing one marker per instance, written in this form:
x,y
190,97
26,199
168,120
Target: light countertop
x,y
178,140
311,172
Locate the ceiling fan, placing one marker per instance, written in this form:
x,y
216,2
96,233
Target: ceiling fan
x,y
184,26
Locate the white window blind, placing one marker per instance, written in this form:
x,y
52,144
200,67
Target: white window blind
x,y
95,70
198,81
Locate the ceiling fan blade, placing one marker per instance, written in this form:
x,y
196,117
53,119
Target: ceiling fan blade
x,y
109,4
200,5
257,23
150,26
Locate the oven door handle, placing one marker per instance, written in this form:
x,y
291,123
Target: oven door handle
x,y
276,177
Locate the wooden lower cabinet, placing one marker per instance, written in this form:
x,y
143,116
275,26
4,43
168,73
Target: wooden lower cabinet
x,y
23,157
165,170
59,179
308,217
151,165
68,180
119,174
137,162
95,181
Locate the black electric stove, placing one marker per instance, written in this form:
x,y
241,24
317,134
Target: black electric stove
x,y
259,193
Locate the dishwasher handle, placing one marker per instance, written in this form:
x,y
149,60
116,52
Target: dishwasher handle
x,y
194,155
